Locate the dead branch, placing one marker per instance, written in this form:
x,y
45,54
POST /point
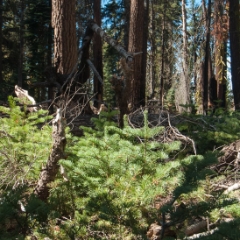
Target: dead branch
x,y
112,42
234,187
95,71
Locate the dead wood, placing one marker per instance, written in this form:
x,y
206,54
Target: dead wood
x,y
25,98
48,174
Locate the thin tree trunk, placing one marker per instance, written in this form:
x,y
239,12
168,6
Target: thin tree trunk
x,y
206,72
144,55
97,56
162,62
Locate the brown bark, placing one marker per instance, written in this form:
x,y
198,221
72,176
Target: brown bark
x,y
234,27
48,174
135,44
97,55
65,41
220,34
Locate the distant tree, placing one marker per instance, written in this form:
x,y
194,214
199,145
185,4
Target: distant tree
x,y
234,28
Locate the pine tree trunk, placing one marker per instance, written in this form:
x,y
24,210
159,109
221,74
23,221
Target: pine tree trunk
x,y
65,40
234,28
135,45
97,56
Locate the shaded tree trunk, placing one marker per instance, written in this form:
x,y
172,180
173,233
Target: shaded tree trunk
x,y
21,45
207,58
152,67
234,29
135,45
65,40
1,38
97,56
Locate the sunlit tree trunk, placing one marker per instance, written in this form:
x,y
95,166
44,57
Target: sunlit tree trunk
x,y
220,33
65,41
135,45
182,94
234,29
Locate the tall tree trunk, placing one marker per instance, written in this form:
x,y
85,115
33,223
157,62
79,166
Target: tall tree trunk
x,y
220,33
182,94
135,45
207,71
97,55
65,40
234,29
144,55
21,45
1,38
162,61
152,67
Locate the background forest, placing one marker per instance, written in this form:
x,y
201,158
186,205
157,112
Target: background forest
x,y
129,124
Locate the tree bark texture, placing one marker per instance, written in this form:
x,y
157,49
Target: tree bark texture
x,y
97,56
48,174
65,40
135,44
234,29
